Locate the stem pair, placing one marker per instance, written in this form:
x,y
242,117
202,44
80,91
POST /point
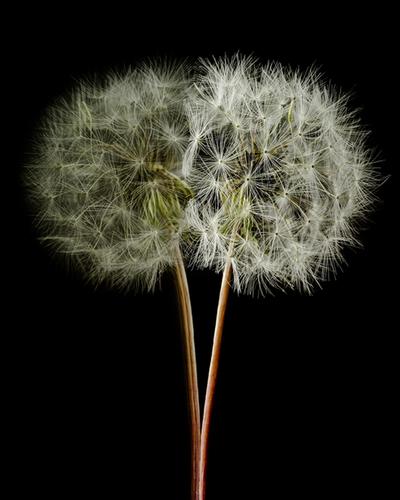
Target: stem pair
x,y
200,435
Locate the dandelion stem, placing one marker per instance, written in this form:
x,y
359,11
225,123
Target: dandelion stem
x,y
191,370
212,377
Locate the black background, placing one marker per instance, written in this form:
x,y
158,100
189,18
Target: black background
x,y
94,387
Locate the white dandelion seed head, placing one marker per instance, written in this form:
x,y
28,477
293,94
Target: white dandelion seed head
x,y
106,182
281,173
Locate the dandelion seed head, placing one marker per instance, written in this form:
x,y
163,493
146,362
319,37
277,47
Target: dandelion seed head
x,y
106,182
296,177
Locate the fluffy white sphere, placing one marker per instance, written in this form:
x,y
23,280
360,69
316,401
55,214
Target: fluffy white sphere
x,y
281,173
106,179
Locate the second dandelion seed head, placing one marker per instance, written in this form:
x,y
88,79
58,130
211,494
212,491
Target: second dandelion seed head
x,y
281,173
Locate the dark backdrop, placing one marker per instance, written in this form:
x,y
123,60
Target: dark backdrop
x,y
94,379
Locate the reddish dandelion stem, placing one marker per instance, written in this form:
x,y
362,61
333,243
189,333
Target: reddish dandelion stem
x,y
212,378
191,371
